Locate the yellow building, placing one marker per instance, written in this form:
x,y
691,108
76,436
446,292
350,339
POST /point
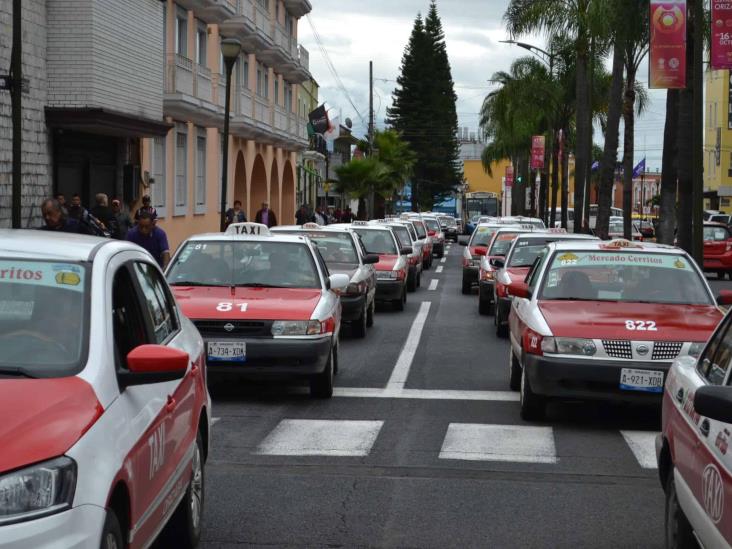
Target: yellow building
x,y
718,142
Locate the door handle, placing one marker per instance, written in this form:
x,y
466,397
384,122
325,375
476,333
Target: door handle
x,y
704,427
170,405
680,395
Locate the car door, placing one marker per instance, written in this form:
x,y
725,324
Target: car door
x,y
520,306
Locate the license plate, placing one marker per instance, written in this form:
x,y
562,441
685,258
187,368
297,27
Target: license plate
x,y
649,381
227,351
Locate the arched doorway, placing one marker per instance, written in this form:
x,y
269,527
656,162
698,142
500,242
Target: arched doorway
x,y
288,194
274,191
240,183
258,187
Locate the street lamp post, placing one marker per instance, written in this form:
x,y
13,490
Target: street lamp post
x,y
230,50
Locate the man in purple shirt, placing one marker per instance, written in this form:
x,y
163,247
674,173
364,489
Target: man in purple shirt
x,y
151,237
266,216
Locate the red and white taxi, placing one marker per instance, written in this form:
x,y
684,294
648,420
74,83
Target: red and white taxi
x,y
511,278
106,414
604,320
491,262
475,249
435,232
694,458
265,304
717,249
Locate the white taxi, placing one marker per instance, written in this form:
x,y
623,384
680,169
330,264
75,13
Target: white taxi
x,y
265,304
106,413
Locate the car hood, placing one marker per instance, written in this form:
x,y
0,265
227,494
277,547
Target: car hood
x,y
517,275
607,320
43,418
261,303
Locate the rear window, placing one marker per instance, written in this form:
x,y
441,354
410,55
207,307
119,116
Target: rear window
x,y
402,235
419,227
377,241
716,234
501,244
624,276
432,225
337,249
482,235
526,250
43,317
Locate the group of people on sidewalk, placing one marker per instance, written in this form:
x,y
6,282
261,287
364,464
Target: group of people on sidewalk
x,y
322,216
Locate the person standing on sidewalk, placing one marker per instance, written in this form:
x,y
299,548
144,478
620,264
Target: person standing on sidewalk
x,y
151,237
124,221
265,216
235,214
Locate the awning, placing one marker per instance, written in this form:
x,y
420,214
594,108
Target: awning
x,y
105,122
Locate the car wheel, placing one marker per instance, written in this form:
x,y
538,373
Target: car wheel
x,y
184,528
336,362
399,303
514,368
112,532
321,385
419,279
412,283
679,533
467,287
370,314
358,327
533,406
501,329
484,306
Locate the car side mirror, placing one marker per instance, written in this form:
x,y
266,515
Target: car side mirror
x,y
338,282
724,297
497,263
406,250
153,364
370,259
714,402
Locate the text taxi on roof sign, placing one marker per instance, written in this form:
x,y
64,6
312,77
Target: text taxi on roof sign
x,y
264,303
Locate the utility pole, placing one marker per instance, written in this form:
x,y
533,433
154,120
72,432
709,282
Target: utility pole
x,y
370,212
16,97
697,190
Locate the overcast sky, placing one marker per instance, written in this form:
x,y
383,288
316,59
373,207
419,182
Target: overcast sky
x,y
356,31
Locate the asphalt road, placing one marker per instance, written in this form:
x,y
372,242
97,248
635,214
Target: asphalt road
x,y
423,446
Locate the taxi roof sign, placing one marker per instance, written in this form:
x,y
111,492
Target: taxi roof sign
x,y
311,225
359,223
619,244
248,229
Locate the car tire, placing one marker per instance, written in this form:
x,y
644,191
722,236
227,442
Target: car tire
x,y
321,385
112,532
533,406
419,279
514,371
358,327
679,533
485,307
370,314
400,303
501,329
467,287
184,528
412,283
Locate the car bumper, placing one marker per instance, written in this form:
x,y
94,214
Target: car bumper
x,y
78,528
717,263
451,234
587,379
278,356
352,307
438,248
503,307
486,290
389,290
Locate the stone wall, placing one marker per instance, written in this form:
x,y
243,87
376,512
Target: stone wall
x,y
36,155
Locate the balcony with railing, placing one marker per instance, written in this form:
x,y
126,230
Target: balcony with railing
x,y
298,8
242,124
211,11
189,92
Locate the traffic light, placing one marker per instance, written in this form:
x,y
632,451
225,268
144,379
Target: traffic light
x,y
519,180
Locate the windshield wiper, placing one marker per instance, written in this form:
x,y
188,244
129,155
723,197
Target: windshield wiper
x,y
191,283
259,285
11,371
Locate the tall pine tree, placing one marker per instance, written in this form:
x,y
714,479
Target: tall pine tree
x,y
424,111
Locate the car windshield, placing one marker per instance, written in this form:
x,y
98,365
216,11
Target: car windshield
x,y
448,222
501,244
419,227
337,248
248,263
716,234
482,236
526,250
402,235
432,225
377,241
625,276
43,318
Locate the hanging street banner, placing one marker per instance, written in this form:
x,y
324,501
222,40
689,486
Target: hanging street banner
x,y
721,35
537,152
667,65
319,120
509,177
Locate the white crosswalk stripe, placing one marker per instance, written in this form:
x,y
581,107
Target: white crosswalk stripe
x,y
433,284
311,437
438,270
515,443
443,260
643,446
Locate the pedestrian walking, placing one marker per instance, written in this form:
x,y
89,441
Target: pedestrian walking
x,y
146,207
303,216
235,214
75,209
104,213
124,221
321,218
62,202
265,216
55,218
151,237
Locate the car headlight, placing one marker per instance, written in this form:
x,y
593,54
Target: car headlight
x,y
568,346
295,327
696,348
488,275
36,491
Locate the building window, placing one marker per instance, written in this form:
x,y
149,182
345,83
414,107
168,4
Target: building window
x,y
244,68
200,171
289,26
181,170
157,163
277,91
288,97
181,33
262,80
201,36
277,10
264,4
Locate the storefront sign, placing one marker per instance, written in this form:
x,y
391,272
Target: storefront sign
x,y
509,177
721,35
537,152
667,64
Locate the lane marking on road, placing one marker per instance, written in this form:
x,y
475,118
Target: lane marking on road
x,y
426,394
439,269
314,437
404,362
643,446
443,260
433,284
515,443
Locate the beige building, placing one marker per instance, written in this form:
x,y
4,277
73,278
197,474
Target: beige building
x,y
266,129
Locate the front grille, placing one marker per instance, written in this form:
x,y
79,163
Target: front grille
x,y
241,327
617,348
666,350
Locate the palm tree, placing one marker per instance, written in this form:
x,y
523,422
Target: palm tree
x,y
579,20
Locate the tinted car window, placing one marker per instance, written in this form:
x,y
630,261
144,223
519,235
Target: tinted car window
x,y
482,236
501,244
159,308
377,241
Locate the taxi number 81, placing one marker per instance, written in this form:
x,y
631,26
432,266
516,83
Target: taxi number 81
x,y
226,306
641,325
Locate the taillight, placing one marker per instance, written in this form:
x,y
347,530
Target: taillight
x,y
401,274
729,246
328,325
